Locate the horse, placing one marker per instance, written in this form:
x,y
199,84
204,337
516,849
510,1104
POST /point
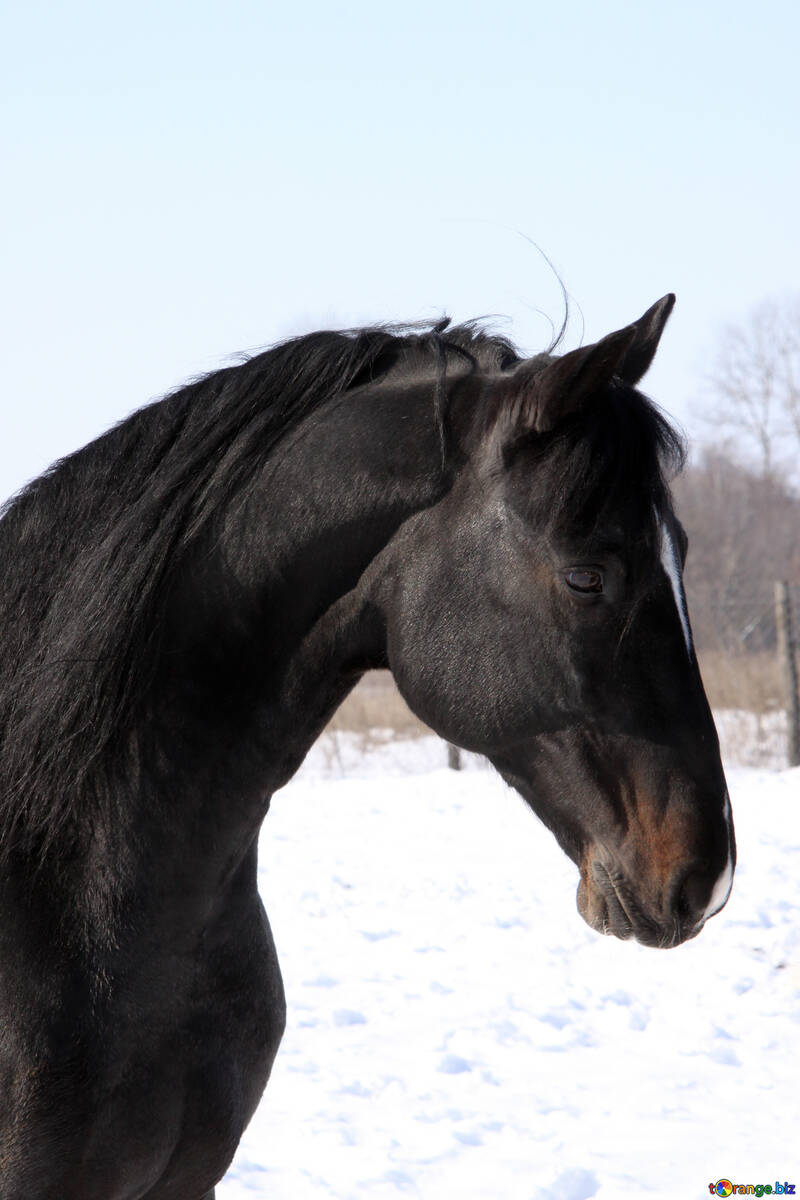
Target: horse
x,y
186,600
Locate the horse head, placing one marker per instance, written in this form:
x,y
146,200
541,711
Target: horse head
x,y
536,614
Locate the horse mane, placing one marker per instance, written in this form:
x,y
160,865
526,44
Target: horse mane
x,y
96,539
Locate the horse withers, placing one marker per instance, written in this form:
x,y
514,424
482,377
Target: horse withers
x,y
185,602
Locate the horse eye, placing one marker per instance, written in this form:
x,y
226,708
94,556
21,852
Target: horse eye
x,y
585,581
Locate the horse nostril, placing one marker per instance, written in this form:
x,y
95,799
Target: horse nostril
x,y
691,898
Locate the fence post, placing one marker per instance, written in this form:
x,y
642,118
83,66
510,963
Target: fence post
x,y
788,669
453,757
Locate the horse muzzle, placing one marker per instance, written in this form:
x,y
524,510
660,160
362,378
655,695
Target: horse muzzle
x,y
610,904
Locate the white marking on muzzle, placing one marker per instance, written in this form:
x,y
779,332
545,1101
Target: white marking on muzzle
x,y
671,565
722,888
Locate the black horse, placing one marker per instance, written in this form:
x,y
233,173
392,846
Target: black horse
x,y
185,602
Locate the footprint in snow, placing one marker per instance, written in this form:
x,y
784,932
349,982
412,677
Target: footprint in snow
x,y
453,1064
573,1184
348,1016
468,1139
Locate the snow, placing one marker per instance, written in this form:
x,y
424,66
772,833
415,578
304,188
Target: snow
x,y
750,739
455,1029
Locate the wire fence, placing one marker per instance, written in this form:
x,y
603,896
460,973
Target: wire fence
x,y
741,623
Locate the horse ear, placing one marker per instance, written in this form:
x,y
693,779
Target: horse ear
x,y
649,329
563,386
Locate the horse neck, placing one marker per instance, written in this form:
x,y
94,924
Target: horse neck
x,y
260,626
335,496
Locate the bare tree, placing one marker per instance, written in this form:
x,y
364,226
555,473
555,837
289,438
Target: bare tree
x,y
755,379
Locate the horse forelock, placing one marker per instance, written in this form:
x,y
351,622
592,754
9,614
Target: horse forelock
x,y
611,465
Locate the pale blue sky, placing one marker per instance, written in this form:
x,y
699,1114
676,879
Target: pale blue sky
x,y
183,181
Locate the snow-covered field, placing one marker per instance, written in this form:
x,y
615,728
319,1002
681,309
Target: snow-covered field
x,y
455,1030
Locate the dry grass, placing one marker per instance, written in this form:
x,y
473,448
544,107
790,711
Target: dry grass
x,y
375,703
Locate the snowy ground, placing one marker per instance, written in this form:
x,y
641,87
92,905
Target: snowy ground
x,y
455,1030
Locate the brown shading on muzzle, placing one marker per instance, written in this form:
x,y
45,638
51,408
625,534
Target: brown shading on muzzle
x,y
657,884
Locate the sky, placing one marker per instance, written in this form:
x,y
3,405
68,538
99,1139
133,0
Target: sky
x,y
181,182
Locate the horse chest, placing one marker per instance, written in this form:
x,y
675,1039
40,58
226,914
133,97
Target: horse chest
x,y
143,1086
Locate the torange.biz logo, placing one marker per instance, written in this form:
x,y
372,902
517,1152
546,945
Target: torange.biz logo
x,y
724,1187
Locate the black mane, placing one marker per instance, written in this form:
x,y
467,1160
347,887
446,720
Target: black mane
x,y
102,530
